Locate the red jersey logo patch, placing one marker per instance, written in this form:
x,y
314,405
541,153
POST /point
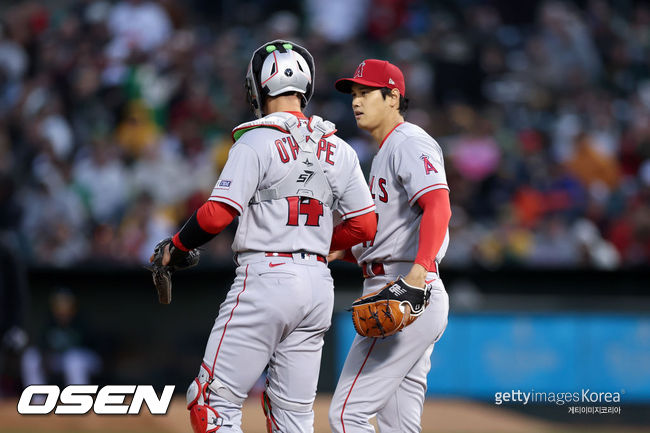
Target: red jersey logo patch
x,y
428,167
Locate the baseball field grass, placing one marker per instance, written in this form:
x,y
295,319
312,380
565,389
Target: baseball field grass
x,y
440,416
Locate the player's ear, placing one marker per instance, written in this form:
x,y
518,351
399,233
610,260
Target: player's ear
x,y
394,98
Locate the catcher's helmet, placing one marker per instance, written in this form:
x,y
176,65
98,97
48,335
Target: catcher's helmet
x,y
277,67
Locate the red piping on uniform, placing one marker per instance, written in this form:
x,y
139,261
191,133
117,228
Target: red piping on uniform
x,y
229,199
355,381
298,114
430,186
266,402
391,131
225,327
360,210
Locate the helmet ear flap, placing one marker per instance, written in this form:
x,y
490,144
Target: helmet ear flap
x,y
253,95
254,91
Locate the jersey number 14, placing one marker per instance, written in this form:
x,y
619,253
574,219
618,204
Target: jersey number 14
x,y
312,208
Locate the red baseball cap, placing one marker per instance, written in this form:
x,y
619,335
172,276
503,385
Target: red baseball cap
x,y
374,73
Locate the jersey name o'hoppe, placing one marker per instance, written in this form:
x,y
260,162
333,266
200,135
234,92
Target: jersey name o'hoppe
x,y
289,144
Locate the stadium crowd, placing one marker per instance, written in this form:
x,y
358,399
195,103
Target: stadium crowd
x,y
115,118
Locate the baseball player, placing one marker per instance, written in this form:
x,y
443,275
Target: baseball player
x,y
284,176
387,377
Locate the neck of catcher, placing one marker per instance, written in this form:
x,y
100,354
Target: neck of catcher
x,y
273,104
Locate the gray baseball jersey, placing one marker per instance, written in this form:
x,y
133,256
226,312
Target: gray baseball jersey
x,y
408,164
266,155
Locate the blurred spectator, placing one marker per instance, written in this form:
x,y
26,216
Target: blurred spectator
x,y
137,25
591,166
65,355
141,229
102,177
337,21
137,133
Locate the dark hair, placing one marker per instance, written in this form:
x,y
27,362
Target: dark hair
x,y
403,101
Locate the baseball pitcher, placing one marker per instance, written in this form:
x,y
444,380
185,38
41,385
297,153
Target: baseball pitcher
x,y
284,176
404,308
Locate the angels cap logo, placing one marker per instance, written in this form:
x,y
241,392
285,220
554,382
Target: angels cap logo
x,y
359,72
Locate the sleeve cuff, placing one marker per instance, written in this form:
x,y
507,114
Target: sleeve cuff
x,y
227,201
425,190
178,244
358,212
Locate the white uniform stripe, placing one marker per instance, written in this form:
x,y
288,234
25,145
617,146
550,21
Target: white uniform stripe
x,y
358,212
228,201
423,191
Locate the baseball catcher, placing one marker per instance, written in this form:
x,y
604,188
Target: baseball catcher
x,y
388,310
162,274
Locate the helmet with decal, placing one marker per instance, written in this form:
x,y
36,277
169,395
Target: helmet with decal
x,y
279,67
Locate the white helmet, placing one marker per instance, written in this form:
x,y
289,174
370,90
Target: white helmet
x,y
278,67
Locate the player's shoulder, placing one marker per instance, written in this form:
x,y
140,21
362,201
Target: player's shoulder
x,y
412,135
259,130
411,131
258,134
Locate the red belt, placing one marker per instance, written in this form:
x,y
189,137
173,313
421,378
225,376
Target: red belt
x,y
375,269
318,256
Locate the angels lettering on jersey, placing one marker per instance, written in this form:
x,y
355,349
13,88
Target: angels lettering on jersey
x,y
408,165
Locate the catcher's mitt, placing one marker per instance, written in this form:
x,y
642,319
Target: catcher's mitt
x,y
386,311
162,274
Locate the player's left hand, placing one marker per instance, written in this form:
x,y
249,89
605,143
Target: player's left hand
x,y
335,255
166,255
388,310
416,276
165,260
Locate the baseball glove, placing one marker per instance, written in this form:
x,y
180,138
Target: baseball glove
x,y
388,310
162,274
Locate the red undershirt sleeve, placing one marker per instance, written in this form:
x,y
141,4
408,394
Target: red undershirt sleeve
x,y
353,231
208,221
433,225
